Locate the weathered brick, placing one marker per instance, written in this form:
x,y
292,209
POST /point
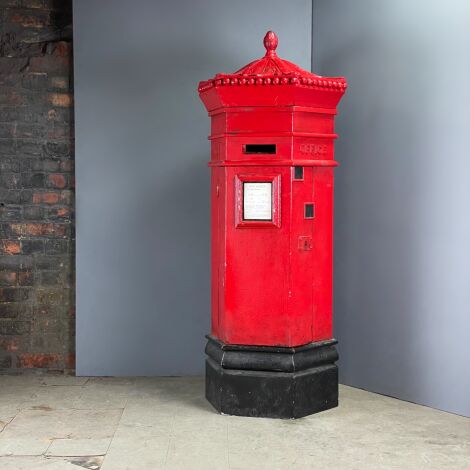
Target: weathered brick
x,y
35,81
66,197
10,213
21,229
10,197
30,114
25,278
56,246
28,18
33,180
10,344
8,278
60,115
56,180
46,164
10,3
6,362
61,99
8,147
50,337
33,212
60,82
10,247
32,3
53,311
50,64
13,327
70,361
52,278
57,149
13,294
62,49
8,164
8,80
9,310
15,262
49,262
34,100
26,196
38,361
29,247
8,294
25,314
60,131
12,99
34,229
8,131
9,114
30,131
46,198
58,214
5,231
10,180
28,147
67,165
49,296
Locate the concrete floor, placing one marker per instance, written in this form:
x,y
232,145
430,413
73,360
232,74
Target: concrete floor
x,y
59,423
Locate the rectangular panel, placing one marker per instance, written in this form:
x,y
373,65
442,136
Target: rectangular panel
x,y
257,201
257,263
146,128
414,291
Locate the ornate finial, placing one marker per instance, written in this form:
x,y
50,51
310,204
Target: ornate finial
x,y
270,42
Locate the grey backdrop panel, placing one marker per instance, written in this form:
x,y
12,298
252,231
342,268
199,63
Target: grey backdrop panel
x,y
402,237
141,168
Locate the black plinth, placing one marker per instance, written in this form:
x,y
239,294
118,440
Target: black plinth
x,y
271,382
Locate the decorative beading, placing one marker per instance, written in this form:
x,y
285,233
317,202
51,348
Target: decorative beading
x,y
230,80
272,70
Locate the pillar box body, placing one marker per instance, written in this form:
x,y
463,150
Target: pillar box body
x,y
271,350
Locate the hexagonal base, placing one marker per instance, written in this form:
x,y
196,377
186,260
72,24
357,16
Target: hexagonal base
x,y
273,394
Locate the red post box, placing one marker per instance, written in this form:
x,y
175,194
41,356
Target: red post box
x,y
271,352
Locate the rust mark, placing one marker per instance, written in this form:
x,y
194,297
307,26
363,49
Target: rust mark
x,y
91,463
42,408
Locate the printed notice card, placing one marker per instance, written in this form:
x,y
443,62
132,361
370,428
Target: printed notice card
x,y
257,201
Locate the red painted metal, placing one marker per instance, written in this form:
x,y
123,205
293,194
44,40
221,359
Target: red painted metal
x,y
272,279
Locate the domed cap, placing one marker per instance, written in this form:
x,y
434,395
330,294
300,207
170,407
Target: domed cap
x,y
272,70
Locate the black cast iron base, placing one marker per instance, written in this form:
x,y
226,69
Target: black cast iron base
x,y
271,382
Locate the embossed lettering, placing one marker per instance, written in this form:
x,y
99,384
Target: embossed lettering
x,y
313,149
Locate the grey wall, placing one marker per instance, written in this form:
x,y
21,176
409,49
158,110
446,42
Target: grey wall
x,y
142,178
402,282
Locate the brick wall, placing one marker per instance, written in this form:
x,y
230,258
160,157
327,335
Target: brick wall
x,y
36,186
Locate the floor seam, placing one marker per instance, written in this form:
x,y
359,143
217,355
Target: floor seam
x,y
115,430
171,436
11,420
48,447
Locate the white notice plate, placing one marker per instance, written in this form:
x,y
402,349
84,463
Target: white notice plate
x,y
257,201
